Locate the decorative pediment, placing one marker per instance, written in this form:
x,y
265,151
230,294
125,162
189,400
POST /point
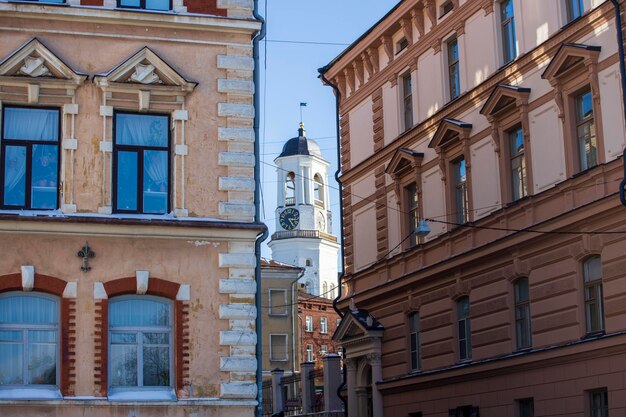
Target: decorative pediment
x,y
144,70
357,325
402,159
449,131
568,57
35,61
504,97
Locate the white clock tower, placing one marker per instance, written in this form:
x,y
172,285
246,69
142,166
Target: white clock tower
x,y
303,234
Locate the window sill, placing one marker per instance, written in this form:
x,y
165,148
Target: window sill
x,y
143,395
30,393
39,3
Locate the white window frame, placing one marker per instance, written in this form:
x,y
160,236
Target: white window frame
x,y
271,307
309,353
324,325
308,324
323,350
286,336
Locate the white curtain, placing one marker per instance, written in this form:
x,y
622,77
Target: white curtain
x,y
155,163
141,130
31,124
15,169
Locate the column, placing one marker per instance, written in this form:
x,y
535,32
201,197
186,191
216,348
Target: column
x,y
377,375
351,365
300,187
332,380
306,384
277,393
282,177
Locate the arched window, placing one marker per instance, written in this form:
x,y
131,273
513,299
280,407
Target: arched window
x,y
308,262
331,294
290,189
324,290
29,340
308,287
140,343
522,314
464,329
318,190
594,309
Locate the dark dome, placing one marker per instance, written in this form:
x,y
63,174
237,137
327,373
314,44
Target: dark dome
x,y
300,145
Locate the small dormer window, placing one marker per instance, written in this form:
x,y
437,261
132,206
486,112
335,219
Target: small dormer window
x,y
401,45
446,7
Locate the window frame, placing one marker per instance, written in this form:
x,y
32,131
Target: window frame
x,y
308,351
318,187
569,12
604,410
271,306
407,101
308,324
445,8
465,356
28,144
324,325
525,402
597,284
411,197
142,6
24,328
504,34
139,150
415,354
453,66
286,336
290,184
522,307
579,122
112,390
518,131
460,189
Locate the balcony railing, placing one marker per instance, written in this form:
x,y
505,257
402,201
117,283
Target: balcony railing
x,y
311,234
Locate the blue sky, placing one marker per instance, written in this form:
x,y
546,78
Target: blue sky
x,y
303,36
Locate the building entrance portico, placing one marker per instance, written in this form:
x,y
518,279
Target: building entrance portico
x,y
359,334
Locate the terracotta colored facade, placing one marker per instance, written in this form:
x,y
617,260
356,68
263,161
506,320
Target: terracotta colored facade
x,y
318,338
193,67
513,304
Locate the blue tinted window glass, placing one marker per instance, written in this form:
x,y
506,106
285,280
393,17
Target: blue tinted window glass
x,y
15,175
158,4
126,180
28,309
141,130
31,124
155,182
44,176
130,3
11,364
139,312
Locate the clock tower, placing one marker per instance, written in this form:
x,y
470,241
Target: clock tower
x,y
303,234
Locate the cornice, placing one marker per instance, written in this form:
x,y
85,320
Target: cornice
x,y
469,99
129,17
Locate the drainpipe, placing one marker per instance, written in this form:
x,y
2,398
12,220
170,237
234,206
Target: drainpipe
x,y
257,208
294,307
622,70
326,81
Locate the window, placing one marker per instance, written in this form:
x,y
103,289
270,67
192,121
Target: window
x,y
308,262
323,325
526,407
517,164
323,350
318,190
145,4
454,80
324,290
412,212
522,314
340,352
309,353
594,310
141,163
446,7
599,403
414,340
507,26
460,191
585,131
331,294
407,101
338,322
140,343
401,45
308,324
290,189
465,411
278,302
464,330
29,340
278,348
575,9
30,158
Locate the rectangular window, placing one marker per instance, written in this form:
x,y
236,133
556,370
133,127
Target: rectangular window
x,y
338,322
407,101
522,314
145,4
309,353
323,325
141,163
526,407
464,330
460,191
586,131
454,74
308,324
323,350
412,212
446,8
507,25
465,411
278,348
518,164
414,340
401,45
599,403
575,9
594,309
30,158
278,302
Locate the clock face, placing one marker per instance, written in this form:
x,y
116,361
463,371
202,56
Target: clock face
x,y
320,221
289,218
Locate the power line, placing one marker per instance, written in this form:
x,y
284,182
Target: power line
x,y
304,299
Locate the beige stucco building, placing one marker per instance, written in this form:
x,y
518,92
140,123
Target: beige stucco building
x,y
127,132
500,124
